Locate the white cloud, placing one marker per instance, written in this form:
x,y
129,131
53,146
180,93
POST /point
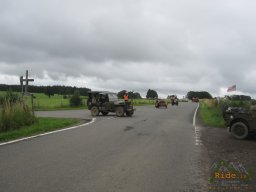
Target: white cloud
x,y
171,46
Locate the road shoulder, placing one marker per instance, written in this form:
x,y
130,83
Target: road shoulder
x,y
221,146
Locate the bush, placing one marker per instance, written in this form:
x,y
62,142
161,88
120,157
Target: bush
x,y
10,96
15,115
75,100
225,103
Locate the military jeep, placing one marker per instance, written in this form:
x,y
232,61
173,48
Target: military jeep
x,y
240,122
161,103
174,100
105,102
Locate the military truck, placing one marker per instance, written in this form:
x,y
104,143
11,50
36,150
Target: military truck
x,y
240,122
105,102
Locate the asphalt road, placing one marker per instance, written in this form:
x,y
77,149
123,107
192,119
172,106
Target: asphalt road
x,y
152,151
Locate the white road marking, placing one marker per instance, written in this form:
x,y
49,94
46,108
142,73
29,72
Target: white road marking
x,y
197,130
194,119
48,133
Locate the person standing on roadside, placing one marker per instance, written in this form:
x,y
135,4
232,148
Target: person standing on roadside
x,y
126,97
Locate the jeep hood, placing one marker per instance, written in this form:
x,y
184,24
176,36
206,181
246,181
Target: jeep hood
x,y
118,102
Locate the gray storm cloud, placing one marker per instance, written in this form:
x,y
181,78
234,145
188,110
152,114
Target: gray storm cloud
x,y
171,46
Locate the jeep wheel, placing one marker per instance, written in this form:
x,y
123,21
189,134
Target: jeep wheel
x,y
104,112
119,111
129,114
239,130
95,111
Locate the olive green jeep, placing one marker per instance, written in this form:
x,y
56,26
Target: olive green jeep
x,y
240,122
104,102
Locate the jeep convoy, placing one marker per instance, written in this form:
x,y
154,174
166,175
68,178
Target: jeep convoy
x,y
105,102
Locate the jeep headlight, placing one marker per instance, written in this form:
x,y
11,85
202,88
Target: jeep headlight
x,y
231,117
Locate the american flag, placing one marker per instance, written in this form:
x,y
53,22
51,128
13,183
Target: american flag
x,y
232,88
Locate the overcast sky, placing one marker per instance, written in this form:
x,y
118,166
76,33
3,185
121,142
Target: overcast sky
x,y
172,46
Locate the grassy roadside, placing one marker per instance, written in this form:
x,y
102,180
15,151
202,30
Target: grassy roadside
x,y
43,124
57,102
211,113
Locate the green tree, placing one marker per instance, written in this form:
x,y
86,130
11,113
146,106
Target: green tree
x,y
133,95
199,95
240,98
49,91
120,94
151,94
136,95
75,100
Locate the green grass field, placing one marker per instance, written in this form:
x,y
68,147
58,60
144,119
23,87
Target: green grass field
x,y
141,102
43,102
211,113
57,102
42,125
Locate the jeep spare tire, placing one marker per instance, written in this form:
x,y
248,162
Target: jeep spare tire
x,y
239,130
95,111
119,111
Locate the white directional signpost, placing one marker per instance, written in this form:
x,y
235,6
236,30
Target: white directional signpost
x,y
27,80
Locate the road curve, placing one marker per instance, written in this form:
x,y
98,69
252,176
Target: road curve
x,y
152,151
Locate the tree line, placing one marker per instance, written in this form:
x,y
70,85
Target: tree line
x,y
83,91
48,90
131,94
151,94
239,97
199,95
206,95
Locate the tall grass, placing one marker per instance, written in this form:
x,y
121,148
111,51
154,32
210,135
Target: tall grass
x,y
15,114
211,113
211,110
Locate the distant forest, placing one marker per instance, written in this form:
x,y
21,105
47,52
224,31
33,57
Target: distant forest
x,y
48,90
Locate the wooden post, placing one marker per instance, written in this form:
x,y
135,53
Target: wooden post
x,y
21,84
26,80
32,102
26,89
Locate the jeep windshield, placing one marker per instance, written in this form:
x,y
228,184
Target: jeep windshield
x,y
112,97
